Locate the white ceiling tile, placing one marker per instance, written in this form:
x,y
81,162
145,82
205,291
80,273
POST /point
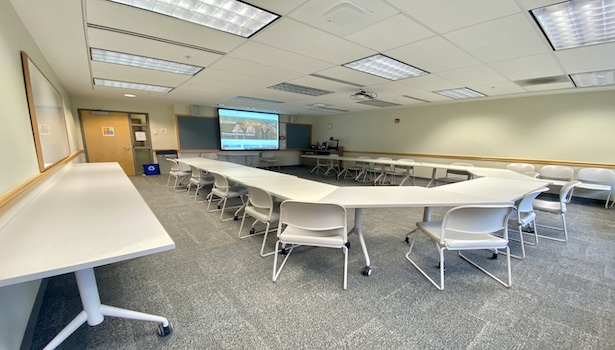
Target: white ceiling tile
x,y
403,31
516,27
315,43
543,65
508,50
498,88
433,55
473,75
274,57
588,59
254,69
447,15
431,82
356,14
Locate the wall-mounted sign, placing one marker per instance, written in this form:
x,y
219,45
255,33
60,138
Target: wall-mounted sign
x,y
108,131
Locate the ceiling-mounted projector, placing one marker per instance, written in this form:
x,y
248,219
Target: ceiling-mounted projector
x,y
363,95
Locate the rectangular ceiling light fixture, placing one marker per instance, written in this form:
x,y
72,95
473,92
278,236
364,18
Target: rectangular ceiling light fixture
x,y
328,110
602,78
385,67
254,100
143,62
300,89
459,94
133,86
229,16
577,23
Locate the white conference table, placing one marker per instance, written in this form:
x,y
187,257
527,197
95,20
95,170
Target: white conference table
x,y
91,215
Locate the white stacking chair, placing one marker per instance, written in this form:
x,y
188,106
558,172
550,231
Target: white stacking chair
x,y
179,171
268,158
405,171
199,179
262,208
320,164
597,179
453,175
523,215
311,224
209,155
467,228
558,208
378,171
364,165
222,190
333,164
523,168
556,172
351,166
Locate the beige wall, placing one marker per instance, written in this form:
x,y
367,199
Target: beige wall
x,y
575,127
19,160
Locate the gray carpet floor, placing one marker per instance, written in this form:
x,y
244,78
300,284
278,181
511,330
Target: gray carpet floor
x,y
217,290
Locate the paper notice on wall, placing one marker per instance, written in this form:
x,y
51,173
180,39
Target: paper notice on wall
x,y
108,131
140,136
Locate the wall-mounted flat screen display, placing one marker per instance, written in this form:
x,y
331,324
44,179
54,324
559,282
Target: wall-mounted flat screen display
x,y
245,130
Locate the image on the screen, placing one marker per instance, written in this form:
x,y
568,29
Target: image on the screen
x,y
244,130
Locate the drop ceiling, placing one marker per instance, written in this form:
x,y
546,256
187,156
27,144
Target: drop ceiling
x,y
493,47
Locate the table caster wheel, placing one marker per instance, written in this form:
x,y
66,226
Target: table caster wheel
x,y
367,271
164,331
235,218
494,256
407,240
347,244
284,251
252,231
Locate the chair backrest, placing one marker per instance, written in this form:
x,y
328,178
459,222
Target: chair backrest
x,y
220,181
565,194
556,172
524,205
209,155
403,166
259,198
596,176
174,164
313,216
267,155
196,172
381,166
479,219
521,167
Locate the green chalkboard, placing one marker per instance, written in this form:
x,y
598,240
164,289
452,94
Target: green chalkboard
x,y
197,133
298,136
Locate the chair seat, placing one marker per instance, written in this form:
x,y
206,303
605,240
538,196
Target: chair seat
x,y
262,214
329,238
233,191
548,206
458,240
180,173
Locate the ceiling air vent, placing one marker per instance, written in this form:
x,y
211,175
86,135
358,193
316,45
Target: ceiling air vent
x,y
543,80
378,103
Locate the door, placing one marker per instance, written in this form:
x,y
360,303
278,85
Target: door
x,y
107,138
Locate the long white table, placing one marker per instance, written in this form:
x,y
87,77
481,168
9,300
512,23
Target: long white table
x,y
90,216
506,188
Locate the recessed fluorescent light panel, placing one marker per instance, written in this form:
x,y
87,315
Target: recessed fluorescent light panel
x,y
577,23
229,16
602,78
133,86
143,62
254,100
300,89
459,94
385,67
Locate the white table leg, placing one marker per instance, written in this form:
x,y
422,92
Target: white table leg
x,y
358,229
93,312
432,182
